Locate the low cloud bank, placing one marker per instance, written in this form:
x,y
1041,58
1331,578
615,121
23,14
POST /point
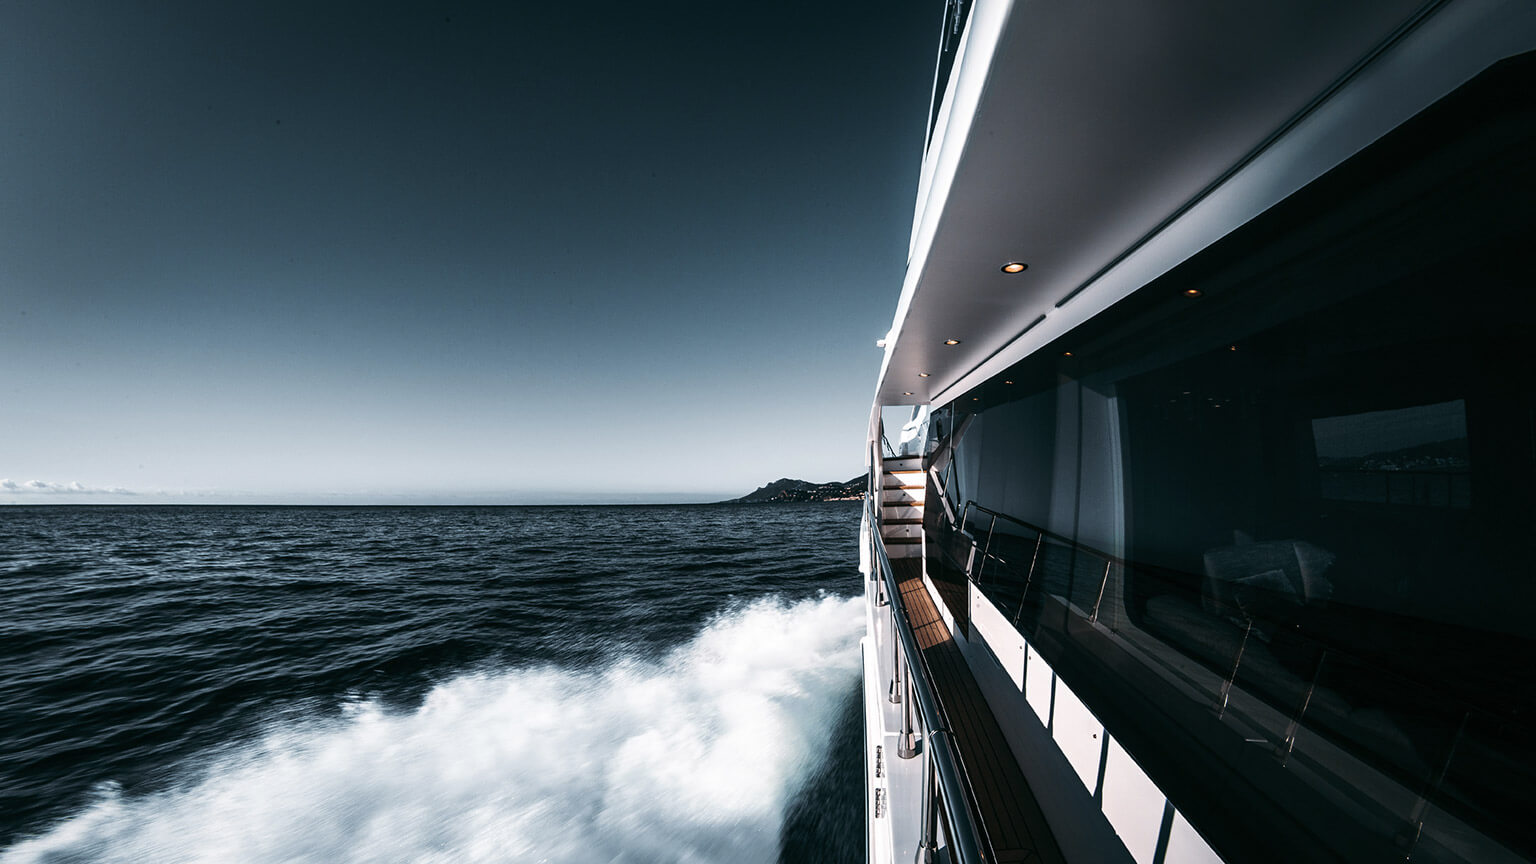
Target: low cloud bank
x,y
43,487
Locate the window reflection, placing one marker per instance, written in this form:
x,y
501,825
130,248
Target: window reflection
x,y
1414,456
1245,530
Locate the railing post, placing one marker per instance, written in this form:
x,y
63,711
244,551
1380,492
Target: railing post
x,y
928,845
906,746
896,685
874,556
1237,662
987,550
1421,806
1283,751
1024,595
1092,618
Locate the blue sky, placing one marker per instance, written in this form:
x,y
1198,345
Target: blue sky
x,y
445,252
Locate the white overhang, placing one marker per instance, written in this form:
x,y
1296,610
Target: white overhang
x,y
1103,144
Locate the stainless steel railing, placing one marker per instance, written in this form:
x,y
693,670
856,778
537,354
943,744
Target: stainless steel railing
x,y
944,784
1041,536
1455,710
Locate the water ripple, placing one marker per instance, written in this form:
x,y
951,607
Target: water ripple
x,y
137,644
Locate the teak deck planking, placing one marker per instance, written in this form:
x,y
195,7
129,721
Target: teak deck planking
x,y
1004,804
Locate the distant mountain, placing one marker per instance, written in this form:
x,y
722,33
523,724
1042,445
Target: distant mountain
x,y
787,490
1450,455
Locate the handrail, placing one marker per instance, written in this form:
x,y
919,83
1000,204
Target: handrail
x,y
937,738
1046,532
1440,692
1110,561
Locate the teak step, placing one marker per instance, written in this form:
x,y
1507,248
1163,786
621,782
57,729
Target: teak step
x,y
901,541
906,521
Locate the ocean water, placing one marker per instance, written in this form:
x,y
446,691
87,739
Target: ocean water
x,y
560,684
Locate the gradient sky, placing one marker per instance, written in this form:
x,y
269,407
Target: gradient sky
x,y
448,252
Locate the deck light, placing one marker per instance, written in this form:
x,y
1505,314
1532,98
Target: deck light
x,y
1015,267
1066,353
1007,382
1191,292
951,341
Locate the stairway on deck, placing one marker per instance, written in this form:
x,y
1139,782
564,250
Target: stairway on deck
x,y
902,487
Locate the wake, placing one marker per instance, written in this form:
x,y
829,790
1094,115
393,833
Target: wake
x,y
693,758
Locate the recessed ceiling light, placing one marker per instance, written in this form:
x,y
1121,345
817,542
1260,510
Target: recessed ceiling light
x,y
1191,292
1015,267
951,341
922,374
906,393
1231,347
1066,353
975,398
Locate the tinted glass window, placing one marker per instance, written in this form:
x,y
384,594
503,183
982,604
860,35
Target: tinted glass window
x,y
1272,515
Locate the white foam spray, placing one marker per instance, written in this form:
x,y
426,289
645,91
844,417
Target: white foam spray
x,y
690,759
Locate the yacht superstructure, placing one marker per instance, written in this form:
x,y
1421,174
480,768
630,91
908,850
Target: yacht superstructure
x,y
1203,454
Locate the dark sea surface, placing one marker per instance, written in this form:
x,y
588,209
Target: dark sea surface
x,y
457,684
